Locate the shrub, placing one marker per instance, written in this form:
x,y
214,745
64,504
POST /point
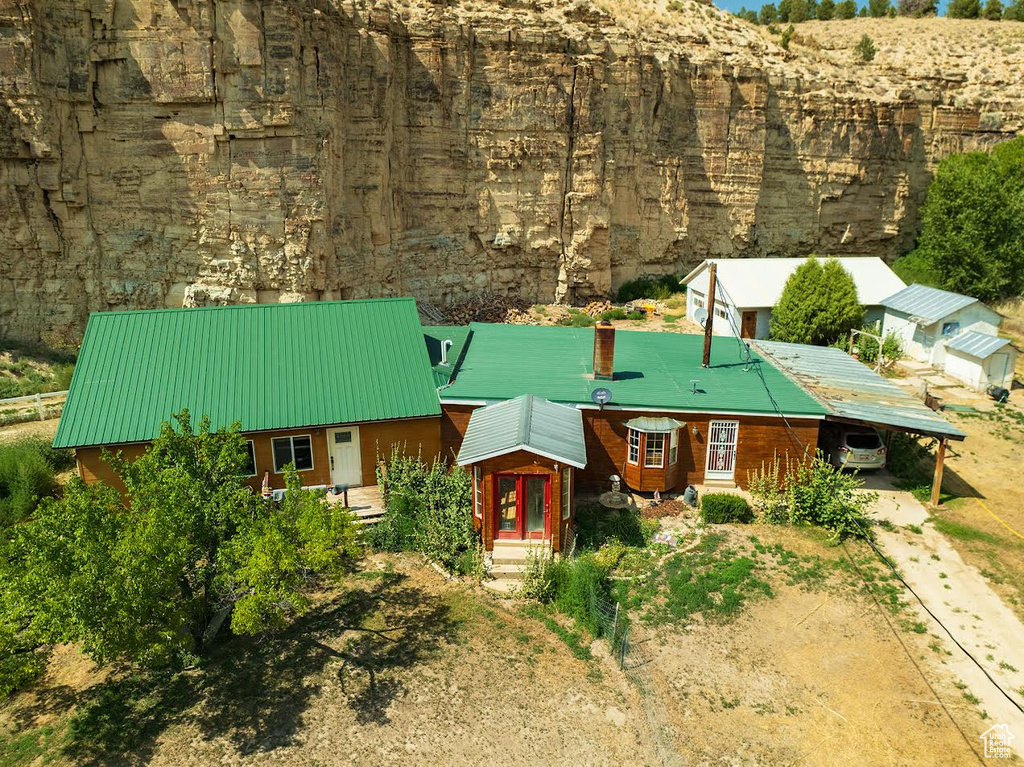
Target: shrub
x,y
812,493
428,508
575,587
648,286
597,525
818,304
867,347
787,35
27,474
577,319
618,313
866,48
722,508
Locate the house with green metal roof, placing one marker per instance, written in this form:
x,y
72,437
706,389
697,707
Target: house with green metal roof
x,y
327,386
537,411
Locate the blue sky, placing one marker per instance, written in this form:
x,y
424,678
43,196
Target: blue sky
x,y
734,5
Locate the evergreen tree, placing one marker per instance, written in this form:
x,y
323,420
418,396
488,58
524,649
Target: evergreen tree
x,y
819,305
863,12
866,48
878,8
964,9
918,8
847,9
826,10
1014,11
769,15
993,10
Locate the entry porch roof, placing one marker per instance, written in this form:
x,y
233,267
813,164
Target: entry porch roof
x,y
525,423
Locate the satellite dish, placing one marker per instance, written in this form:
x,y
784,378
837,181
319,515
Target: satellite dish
x,y
701,315
601,396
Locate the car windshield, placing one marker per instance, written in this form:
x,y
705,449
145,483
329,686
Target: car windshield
x,y
863,441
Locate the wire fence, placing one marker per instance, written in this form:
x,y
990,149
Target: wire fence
x,y
633,651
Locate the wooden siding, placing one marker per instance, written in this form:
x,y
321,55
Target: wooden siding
x,y
520,462
758,440
412,436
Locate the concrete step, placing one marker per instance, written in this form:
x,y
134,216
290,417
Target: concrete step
x,y
507,571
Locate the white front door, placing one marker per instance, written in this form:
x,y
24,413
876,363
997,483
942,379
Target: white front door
x,y
721,461
343,446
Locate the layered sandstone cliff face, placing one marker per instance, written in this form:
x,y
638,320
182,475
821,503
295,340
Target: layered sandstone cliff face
x,y
184,152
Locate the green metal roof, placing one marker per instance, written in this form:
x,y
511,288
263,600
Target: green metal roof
x,y
267,366
652,370
435,335
525,423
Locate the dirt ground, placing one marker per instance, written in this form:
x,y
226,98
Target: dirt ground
x,y
444,674
811,676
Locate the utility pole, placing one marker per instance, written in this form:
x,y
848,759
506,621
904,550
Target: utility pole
x,y
712,280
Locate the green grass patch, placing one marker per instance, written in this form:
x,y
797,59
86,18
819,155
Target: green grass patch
x,y
574,640
648,286
964,532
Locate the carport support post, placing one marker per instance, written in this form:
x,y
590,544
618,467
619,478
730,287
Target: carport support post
x,y
940,458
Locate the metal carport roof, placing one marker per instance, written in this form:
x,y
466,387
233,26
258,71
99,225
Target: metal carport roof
x,y
850,390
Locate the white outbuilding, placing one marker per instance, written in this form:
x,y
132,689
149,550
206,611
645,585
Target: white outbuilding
x,y
748,288
954,333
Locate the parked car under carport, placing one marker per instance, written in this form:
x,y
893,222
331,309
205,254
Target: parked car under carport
x,y
852,447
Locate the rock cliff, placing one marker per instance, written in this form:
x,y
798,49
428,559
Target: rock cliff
x,y
184,152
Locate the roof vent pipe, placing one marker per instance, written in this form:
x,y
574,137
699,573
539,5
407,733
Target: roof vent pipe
x,y
604,351
446,344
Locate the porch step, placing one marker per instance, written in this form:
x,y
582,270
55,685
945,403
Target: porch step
x,y
507,571
721,483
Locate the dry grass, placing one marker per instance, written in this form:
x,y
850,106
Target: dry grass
x,y
1012,310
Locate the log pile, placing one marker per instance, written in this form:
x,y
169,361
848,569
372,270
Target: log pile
x,y
506,309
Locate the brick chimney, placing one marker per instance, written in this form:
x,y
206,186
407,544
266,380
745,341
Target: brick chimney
x,y
604,351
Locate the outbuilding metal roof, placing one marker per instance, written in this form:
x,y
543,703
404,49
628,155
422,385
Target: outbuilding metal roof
x,y
851,390
980,345
274,366
758,282
925,304
525,423
659,371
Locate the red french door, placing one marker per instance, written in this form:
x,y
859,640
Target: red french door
x,y
522,506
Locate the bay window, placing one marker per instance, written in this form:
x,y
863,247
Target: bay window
x,y
654,455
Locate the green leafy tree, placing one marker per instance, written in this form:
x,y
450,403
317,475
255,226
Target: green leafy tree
x,y
847,9
818,305
145,578
878,9
769,14
964,9
866,48
973,232
747,15
993,10
1014,11
826,10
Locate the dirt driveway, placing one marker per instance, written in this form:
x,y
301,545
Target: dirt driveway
x,y
961,598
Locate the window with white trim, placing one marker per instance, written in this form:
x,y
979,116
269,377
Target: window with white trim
x,y
633,455
721,312
478,511
566,492
249,467
297,450
673,449
654,455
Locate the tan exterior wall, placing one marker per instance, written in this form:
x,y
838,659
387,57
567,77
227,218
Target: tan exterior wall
x,y
412,436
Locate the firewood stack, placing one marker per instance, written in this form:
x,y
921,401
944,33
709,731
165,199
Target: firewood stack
x,y
490,309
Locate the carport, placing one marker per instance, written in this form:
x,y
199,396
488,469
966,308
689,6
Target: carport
x,y
853,393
